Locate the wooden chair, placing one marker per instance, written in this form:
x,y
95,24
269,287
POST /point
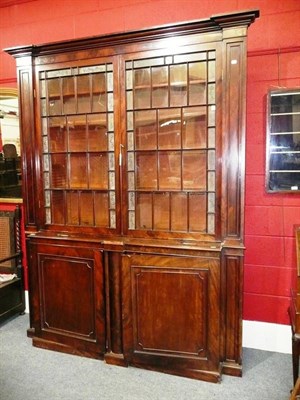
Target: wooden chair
x,y
12,299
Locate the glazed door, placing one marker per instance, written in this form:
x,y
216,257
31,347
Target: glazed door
x,y
172,133
67,291
171,314
77,134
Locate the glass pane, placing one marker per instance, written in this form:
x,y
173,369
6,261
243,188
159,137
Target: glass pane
x,y
110,102
45,144
101,209
112,200
111,142
129,101
148,62
145,130
178,82
197,212
91,69
44,108
72,208
285,123
130,161
98,171
144,211
86,208
77,133
53,88
46,163
194,170
161,208
281,143
160,97
109,79
112,219
58,210
46,180
285,161
129,120
128,78
211,115
48,215
141,88
194,128
211,71
179,212
47,198
54,107
131,185
211,181
57,73
211,97
112,180
99,92
170,170
83,94
130,141
197,83
190,57
131,220
97,132
42,88
285,103
282,180
160,92
54,96
69,104
211,223
169,133
146,171
78,171
211,160
211,202
131,201
211,137
58,170
111,161
57,134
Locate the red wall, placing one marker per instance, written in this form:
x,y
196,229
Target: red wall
x,y
273,61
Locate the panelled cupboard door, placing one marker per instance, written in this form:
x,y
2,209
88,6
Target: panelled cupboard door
x,y
172,109
68,283
171,314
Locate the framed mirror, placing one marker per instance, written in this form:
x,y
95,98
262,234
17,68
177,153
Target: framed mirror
x,y
10,151
283,141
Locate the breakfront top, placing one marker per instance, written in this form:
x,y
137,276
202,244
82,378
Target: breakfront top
x,y
137,134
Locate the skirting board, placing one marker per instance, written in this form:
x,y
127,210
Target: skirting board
x,y
26,302
256,335
267,336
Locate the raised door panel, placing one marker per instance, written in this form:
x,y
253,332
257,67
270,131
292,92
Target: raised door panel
x,y
71,298
171,314
63,310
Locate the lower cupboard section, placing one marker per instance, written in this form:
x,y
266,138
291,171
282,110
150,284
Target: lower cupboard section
x,y
154,311
172,314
